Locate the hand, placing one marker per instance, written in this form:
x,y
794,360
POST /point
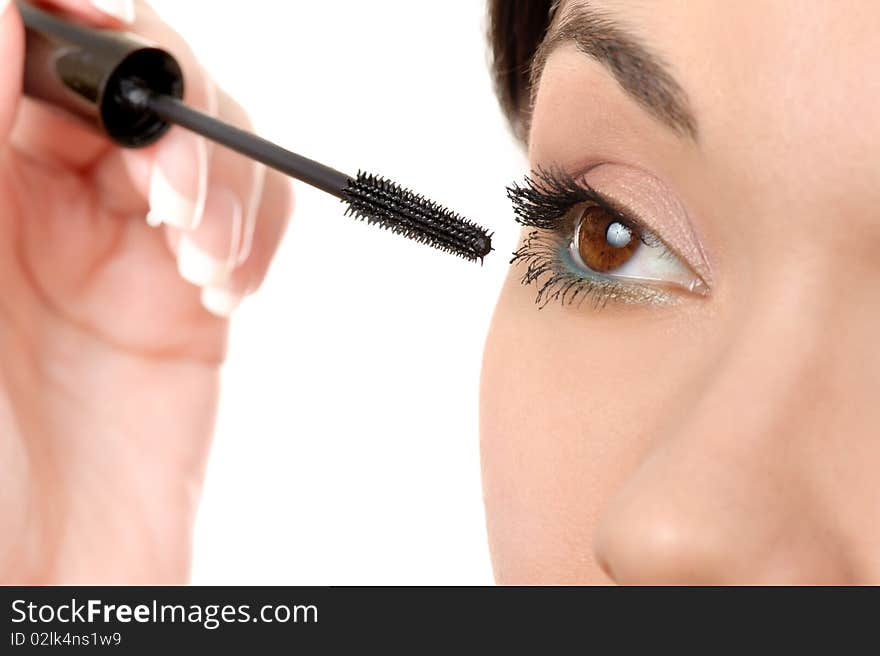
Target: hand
x,y
114,325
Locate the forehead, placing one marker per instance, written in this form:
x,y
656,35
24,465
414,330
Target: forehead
x,y
794,78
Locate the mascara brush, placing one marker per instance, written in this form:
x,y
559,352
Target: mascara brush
x,y
132,91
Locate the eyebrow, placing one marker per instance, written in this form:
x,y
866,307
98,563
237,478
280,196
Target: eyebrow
x,y
642,74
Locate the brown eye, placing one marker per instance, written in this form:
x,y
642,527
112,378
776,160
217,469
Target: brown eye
x,y
603,242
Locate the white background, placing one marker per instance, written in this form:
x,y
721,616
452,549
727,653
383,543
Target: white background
x,y
346,449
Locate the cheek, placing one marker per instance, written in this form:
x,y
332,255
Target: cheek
x,y
569,401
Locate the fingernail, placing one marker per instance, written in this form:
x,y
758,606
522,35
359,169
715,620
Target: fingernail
x,y
247,233
178,184
3,5
153,219
120,9
197,266
168,205
220,302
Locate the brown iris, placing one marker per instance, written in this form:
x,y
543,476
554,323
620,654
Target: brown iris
x,y
595,242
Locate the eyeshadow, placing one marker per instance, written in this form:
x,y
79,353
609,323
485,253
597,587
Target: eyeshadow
x,y
656,206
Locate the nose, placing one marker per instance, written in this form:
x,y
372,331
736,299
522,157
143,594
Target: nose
x,y
669,527
729,492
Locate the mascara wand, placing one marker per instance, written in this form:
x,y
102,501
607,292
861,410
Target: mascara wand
x,y
131,91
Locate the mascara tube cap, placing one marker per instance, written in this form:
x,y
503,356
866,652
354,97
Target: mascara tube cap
x,y
87,72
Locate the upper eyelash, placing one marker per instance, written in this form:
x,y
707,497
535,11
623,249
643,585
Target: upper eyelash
x,y
544,199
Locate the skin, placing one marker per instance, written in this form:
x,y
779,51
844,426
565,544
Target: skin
x,y
109,363
731,438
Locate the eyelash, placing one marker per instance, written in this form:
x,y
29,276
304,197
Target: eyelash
x,y
544,201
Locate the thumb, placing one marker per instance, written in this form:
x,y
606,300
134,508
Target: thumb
x,y
100,13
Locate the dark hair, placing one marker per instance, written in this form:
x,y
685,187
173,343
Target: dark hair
x,y
516,29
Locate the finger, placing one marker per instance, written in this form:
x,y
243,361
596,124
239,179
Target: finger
x,y
272,219
169,180
100,13
177,190
46,134
37,133
208,254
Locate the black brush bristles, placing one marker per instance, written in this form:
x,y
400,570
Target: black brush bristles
x,y
386,204
370,197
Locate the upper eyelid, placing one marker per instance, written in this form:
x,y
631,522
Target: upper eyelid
x,y
626,215
647,234
562,182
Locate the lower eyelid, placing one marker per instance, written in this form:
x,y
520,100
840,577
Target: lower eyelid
x,y
562,279
629,290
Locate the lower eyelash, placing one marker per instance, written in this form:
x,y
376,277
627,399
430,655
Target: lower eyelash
x,y
548,263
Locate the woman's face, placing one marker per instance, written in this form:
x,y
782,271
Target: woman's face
x,y
730,433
